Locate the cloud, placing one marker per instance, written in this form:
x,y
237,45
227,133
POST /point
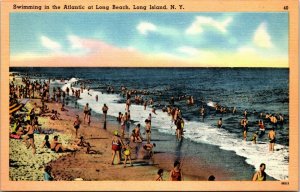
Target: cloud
x,y
75,42
201,22
145,27
50,44
261,37
188,50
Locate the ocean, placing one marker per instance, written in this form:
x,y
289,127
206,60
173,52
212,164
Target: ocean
x,y
257,90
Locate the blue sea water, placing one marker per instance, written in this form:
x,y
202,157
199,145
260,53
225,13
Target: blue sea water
x,y
255,89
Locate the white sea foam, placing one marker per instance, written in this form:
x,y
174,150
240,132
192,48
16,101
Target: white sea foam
x,y
255,154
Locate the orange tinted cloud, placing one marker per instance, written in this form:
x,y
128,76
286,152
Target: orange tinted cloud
x,y
98,54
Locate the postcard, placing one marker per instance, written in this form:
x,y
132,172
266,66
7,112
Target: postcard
x,y
136,94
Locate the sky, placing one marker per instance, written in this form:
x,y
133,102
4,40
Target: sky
x,y
189,39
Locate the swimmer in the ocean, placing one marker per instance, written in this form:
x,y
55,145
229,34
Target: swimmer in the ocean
x,y
220,123
202,113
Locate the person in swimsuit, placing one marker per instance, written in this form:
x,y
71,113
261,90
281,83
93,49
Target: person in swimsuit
x,y
272,139
159,176
220,123
176,174
56,146
149,149
145,104
234,110
127,154
119,117
244,124
254,137
128,103
89,113
137,131
85,111
148,130
202,113
105,109
46,142
30,137
116,147
260,175
179,128
82,142
76,124
123,124
281,120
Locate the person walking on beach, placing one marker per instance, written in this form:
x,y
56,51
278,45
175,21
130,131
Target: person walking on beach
x,y
159,176
116,147
89,113
85,111
260,175
272,139
76,124
30,137
104,110
176,173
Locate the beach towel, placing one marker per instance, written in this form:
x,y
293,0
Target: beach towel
x,y
14,136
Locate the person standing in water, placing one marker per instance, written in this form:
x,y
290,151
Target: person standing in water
x,y
202,113
244,124
148,130
272,139
260,175
220,123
